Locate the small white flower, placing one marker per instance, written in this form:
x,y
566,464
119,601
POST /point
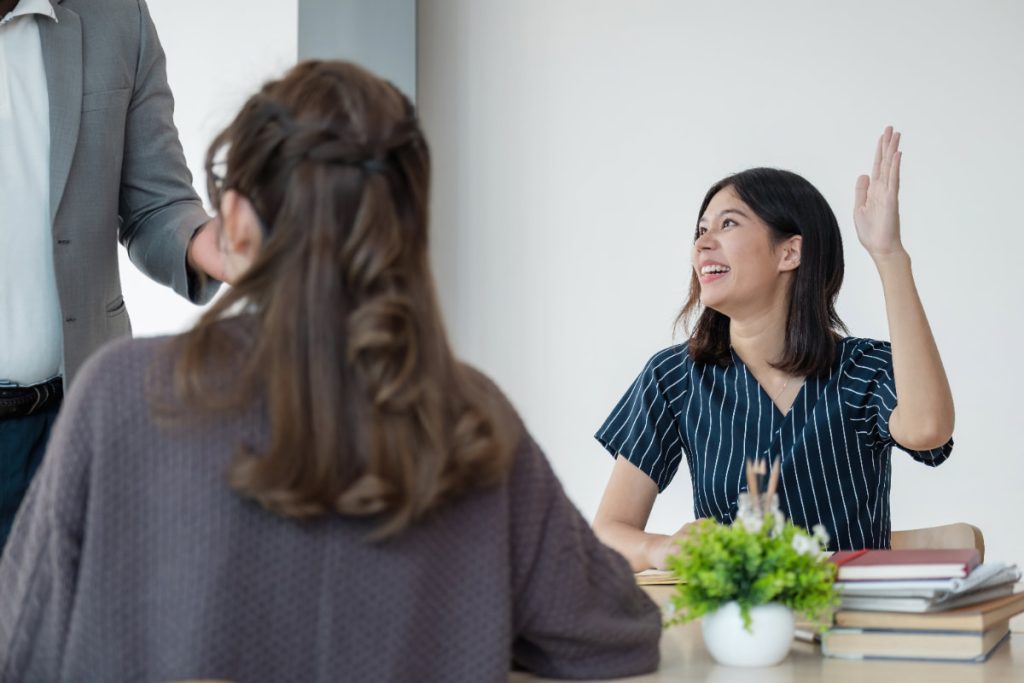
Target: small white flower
x,y
804,545
821,534
751,523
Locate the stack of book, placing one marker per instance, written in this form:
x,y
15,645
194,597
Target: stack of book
x,y
921,604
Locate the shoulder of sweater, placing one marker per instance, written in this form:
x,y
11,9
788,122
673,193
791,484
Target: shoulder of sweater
x,y
529,464
118,365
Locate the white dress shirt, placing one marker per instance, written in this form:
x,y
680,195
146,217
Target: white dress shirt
x,y
30,319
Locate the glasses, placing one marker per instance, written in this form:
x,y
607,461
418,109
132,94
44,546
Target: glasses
x,y
216,170
216,184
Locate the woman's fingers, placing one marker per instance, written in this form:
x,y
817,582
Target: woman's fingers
x,y
861,193
877,167
892,145
894,173
883,171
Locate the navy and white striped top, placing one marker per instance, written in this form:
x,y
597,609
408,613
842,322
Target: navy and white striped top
x,y
834,442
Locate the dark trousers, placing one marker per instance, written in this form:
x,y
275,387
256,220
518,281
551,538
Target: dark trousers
x,y
22,444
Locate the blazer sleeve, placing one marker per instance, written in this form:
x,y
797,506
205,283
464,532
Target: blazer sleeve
x,y
578,612
39,568
159,209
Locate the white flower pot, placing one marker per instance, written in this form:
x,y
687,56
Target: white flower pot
x,y
766,644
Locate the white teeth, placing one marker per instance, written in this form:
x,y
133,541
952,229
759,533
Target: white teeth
x,y
707,270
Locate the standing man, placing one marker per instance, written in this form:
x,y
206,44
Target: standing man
x,y
88,155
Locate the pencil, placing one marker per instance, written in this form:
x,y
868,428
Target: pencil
x,y
773,482
752,483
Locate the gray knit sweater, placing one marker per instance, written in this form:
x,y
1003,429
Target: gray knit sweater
x,y
132,560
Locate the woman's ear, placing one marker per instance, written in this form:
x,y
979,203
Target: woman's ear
x,y
242,232
790,259
241,224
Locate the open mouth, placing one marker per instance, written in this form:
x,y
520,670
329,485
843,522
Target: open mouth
x,y
712,272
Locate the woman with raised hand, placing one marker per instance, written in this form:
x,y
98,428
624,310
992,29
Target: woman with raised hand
x,y
308,485
767,374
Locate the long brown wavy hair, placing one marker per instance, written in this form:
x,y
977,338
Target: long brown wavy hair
x,y
370,413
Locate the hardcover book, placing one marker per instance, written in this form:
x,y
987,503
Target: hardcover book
x,y
876,565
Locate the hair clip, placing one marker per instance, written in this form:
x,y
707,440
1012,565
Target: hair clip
x,y
371,166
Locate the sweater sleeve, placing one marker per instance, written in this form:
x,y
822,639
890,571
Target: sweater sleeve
x,y
578,612
39,568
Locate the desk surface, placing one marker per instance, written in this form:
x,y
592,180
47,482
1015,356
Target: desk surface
x,y
685,658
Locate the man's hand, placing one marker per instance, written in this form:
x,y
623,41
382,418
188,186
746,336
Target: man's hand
x,y
204,253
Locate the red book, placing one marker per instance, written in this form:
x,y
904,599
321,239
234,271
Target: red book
x,y
887,565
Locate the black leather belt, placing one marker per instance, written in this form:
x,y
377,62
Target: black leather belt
x,y
24,401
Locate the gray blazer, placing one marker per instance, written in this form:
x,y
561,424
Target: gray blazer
x,y
116,167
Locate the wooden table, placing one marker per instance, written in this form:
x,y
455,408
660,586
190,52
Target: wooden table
x,y
685,658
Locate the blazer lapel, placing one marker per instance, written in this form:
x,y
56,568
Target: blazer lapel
x,y
62,58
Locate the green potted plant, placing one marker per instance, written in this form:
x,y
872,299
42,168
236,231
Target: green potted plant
x,y
747,579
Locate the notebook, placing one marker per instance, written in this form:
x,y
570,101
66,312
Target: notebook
x,y
918,604
983,576
977,617
955,646
875,565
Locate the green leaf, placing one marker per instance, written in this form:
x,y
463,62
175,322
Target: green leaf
x,y
717,564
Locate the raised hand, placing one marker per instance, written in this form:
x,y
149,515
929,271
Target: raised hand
x,y
876,210
924,415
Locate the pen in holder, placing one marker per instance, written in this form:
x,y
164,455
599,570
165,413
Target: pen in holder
x,y
753,505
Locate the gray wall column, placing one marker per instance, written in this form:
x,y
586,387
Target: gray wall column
x,y
378,34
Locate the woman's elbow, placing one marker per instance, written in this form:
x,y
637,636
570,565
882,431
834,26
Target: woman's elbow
x,y
927,437
603,530
922,430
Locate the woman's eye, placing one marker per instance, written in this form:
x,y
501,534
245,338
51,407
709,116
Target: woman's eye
x,y
728,222
701,230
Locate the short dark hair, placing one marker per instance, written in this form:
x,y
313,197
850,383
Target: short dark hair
x,y
789,205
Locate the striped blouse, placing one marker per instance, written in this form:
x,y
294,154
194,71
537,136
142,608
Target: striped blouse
x,y
834,442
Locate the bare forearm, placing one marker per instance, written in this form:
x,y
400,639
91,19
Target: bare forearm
x,y
925,413
637,546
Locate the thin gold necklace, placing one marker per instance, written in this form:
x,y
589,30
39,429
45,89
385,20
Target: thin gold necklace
x,y
786,384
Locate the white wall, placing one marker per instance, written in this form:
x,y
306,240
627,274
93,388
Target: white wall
x,y
573,141
218,53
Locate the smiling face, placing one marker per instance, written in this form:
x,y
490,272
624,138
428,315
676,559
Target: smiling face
x,y
741,270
